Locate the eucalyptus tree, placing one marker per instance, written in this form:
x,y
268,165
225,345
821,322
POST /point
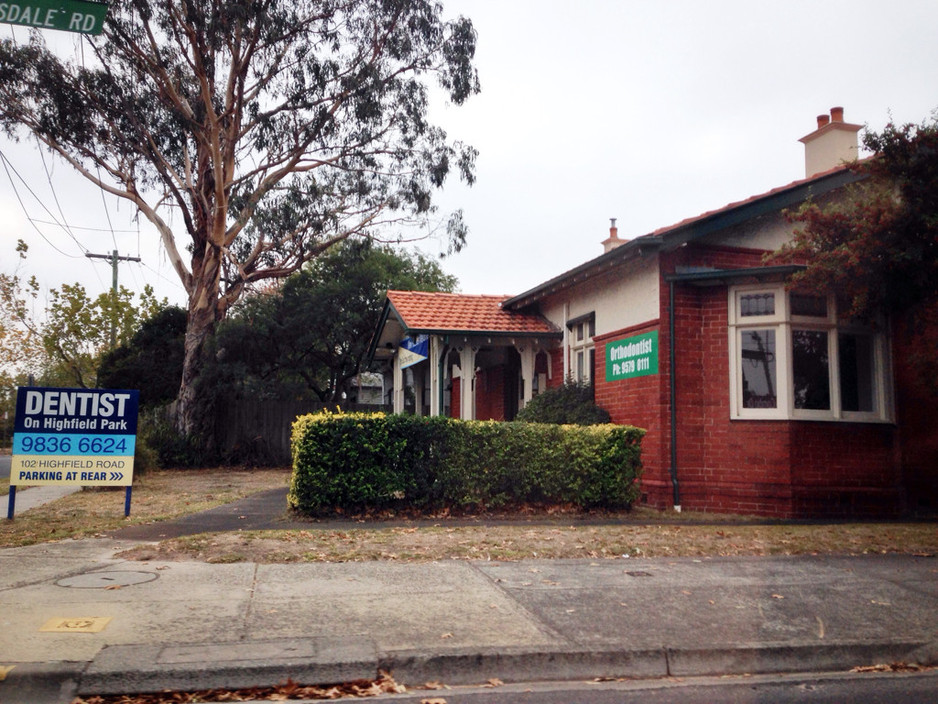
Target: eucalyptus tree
x,y
253,134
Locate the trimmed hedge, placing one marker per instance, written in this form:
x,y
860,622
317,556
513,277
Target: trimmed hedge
x,y
358,461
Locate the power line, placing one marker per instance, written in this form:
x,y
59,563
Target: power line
x,y
55,196
7,166
86,229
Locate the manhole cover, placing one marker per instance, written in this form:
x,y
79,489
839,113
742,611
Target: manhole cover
x,y
103,580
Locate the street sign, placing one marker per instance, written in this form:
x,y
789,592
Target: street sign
x,y
83,437
66,15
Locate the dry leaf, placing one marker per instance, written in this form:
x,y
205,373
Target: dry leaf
x,y
446,635
777,596
495,682
4,671
433,700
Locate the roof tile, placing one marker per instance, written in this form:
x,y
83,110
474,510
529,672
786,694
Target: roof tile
x,y
456,312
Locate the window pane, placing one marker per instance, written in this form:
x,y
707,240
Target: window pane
x,y
812,306
756,304
810,364
579,366
758,366
857,368
579,332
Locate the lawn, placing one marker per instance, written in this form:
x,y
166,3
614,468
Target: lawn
x,y
643,532
438,541
157,495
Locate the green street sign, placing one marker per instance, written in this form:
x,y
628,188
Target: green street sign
x,y
66,15
632,356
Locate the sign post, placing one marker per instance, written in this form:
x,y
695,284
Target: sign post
x,y
83,437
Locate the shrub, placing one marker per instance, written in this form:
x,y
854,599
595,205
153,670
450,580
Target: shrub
x,y
172,448
571,403
356,461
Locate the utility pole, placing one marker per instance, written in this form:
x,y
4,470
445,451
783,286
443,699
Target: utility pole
x,y
114,260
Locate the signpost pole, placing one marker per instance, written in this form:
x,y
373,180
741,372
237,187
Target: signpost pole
x,y
12,504
127,501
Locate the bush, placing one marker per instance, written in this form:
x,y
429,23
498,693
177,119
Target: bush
x,y
571,403
357,461
171,448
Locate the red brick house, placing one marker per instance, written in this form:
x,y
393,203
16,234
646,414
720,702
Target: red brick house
x,y
756,399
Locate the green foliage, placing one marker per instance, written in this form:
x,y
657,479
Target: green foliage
x,y
63,345
356,461
252,135
309,339
163,441
151,361
571,403
877,248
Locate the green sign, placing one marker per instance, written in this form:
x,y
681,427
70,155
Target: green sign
x,y
633,356
66,15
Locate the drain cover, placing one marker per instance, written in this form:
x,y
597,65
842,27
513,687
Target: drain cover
x,y
103,580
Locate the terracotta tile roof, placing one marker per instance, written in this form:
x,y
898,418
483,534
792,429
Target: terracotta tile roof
x,y
455,312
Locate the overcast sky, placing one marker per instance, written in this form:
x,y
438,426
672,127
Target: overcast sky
x,y
649,112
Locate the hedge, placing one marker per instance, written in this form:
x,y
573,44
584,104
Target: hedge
x,y
358,461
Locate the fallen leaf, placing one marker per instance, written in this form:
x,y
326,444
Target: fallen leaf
x,y
4,671
433,700
112,587
495,682
446,635
777,596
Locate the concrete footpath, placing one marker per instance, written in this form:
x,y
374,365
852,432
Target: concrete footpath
x,y
128,627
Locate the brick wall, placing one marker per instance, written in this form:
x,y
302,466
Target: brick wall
x,y
772,468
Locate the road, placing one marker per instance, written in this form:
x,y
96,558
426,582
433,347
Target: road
x,y
5,461
873,688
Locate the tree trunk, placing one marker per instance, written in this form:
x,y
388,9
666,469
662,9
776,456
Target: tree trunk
x,y
194,407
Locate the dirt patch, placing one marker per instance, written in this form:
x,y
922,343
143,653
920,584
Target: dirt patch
x,y
532,541
157,495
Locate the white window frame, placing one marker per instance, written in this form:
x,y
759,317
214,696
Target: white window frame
x,y
784,323
581,344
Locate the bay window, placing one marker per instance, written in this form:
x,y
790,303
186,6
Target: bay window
x,y
791,356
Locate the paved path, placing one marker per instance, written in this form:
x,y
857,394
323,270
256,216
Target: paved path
x,y
34,496
191,625
264,511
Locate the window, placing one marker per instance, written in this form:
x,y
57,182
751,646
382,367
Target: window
x,y
582,353
791,357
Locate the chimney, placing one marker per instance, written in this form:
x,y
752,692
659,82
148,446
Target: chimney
x,y
613,241
832,144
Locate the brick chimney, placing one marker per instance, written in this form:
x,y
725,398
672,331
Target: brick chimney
x,y
832,144
613,240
